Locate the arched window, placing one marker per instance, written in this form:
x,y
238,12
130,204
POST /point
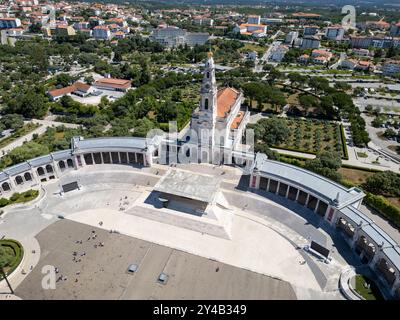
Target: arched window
x,y
27,176
5,186
19,180
49,168
70,163
208,75
40,171
206,103
61,164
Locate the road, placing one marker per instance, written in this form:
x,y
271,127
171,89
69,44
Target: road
x,y
44,124
342,57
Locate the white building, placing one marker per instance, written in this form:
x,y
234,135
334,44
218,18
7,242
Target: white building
x,y
9,23
174,36
310,42
254,19
391,68
334,33
102,33
291,37
218,121
278,53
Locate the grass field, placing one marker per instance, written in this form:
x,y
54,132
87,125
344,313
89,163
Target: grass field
x,y
371,293
355,176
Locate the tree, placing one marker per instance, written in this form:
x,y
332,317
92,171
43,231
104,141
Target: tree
x,y
390,133
271,154
272,131
166,111
89,79
326,163
383,183
297,79
308,101
142,127
145,75
273,75
277,99
12,121
319,84
342,86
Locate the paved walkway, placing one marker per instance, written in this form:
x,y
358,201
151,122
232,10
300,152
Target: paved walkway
x,y
44,124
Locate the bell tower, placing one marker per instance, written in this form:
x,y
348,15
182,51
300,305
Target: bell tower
x,y
208,104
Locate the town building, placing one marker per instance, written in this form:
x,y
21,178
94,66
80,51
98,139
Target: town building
x,y
291,37
101,33
78,88
310,42
335,32
310,30
113,84
64,30
391,68
395,30
321,57
171,36
203,21
354,64
278,53
255,30
10,23
254,19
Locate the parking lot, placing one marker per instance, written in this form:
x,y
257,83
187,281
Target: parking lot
x,y
102,272
111,95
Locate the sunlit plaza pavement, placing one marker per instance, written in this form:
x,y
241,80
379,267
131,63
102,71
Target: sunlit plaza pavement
x,y
262,259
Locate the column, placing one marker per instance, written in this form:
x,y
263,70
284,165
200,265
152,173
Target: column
x,y
269,180
376,258
56,170
308,198
287,191
277,187
316,206
119,157
297,194
396,284
101,157
34,175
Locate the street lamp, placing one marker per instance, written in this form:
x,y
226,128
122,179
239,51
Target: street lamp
x,y
5,278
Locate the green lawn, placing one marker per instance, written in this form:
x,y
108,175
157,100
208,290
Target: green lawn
x,y
312,136
19,198
11,253
371,293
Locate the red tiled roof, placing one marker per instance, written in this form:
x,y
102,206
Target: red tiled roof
x,y
302,14
76,86
238,119
62,91
226,98
114,83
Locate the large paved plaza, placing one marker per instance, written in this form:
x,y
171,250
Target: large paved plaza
x,y
103,270
260,258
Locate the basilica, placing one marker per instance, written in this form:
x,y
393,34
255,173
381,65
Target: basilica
x,y
219,120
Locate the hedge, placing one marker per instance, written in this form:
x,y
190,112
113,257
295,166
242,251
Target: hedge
x,y
384,207
19,198
344,145
19,253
